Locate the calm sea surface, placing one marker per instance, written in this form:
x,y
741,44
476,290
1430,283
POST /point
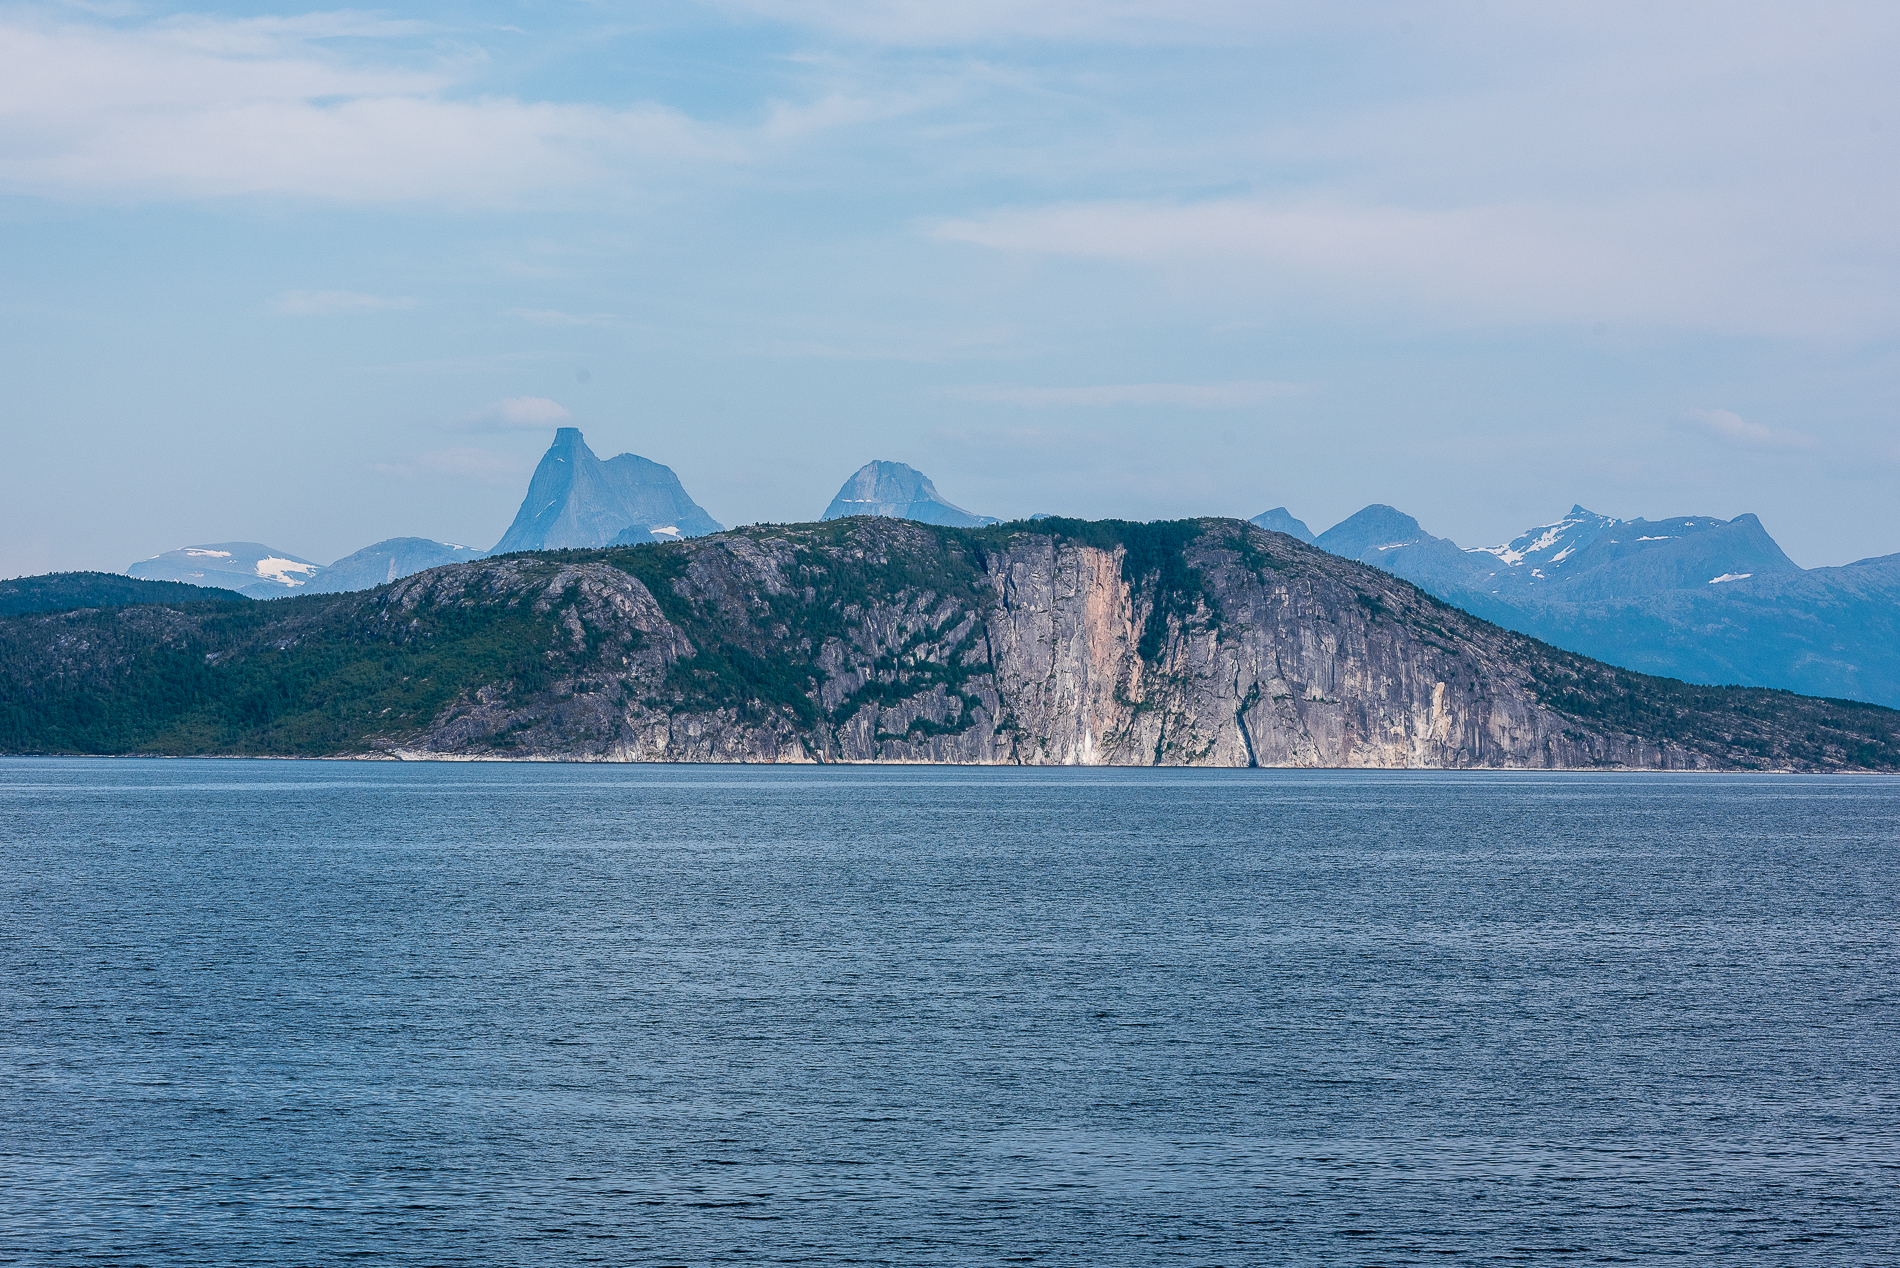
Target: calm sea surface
x,y
305,1013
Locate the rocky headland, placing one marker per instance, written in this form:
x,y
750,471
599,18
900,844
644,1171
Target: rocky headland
x,y
1197,642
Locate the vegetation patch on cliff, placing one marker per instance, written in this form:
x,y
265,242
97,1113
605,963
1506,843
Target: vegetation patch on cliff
x,y
300,677
1761,726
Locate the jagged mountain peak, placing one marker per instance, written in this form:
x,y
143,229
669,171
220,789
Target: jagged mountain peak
x,y
899,491
1545,548
576,500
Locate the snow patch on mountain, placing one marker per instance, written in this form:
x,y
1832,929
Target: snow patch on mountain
x,y
250,568
1549,545
278,569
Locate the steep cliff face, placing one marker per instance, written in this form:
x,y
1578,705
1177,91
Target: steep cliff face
x,y
1207,643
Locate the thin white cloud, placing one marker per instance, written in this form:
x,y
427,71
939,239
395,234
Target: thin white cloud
x,y
1665,259
1713,168
208,108
1187,395
525,413
328,303
484,465
554,317
934,23
1731,428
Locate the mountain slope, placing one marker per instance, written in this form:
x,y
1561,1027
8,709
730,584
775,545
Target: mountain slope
x,y
1388,538
64,591
1197,642
1822,631
1639,557
897,491
388,561
250,568
576,500
1695,597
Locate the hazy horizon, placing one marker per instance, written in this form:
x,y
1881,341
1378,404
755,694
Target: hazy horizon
x,y
320,278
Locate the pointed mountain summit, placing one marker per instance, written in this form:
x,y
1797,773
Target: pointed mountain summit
x,y
1365,534
1388,538
897,491
576,500
1280,520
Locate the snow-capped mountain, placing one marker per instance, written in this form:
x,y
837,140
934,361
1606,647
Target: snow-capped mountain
x,y
1694,597
1540,553
1591,556
252,568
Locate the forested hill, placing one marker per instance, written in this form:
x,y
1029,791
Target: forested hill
x,y
1194,642
63,591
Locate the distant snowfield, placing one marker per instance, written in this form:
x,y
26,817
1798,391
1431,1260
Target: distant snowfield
x,y
279,570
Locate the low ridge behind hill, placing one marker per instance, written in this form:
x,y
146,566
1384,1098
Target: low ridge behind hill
x,y
1193,642
63,591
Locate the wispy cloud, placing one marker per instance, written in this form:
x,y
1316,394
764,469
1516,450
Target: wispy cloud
x,y
516,413
1186,395
933,23
1731,428
554,317
209,108
329,303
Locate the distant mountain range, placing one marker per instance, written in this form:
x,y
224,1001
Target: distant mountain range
x,y
252,569
574,500
1055,642
68,591
1699,598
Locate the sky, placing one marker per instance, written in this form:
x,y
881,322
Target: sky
x,y
315,278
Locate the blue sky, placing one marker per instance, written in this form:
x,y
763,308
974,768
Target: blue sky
x,y
317,278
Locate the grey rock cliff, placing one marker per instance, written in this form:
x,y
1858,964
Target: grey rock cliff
x,y
890,643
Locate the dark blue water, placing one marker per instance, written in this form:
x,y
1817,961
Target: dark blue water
x,y
303,1013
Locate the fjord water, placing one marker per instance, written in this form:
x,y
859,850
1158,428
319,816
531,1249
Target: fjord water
x,y
297,1013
